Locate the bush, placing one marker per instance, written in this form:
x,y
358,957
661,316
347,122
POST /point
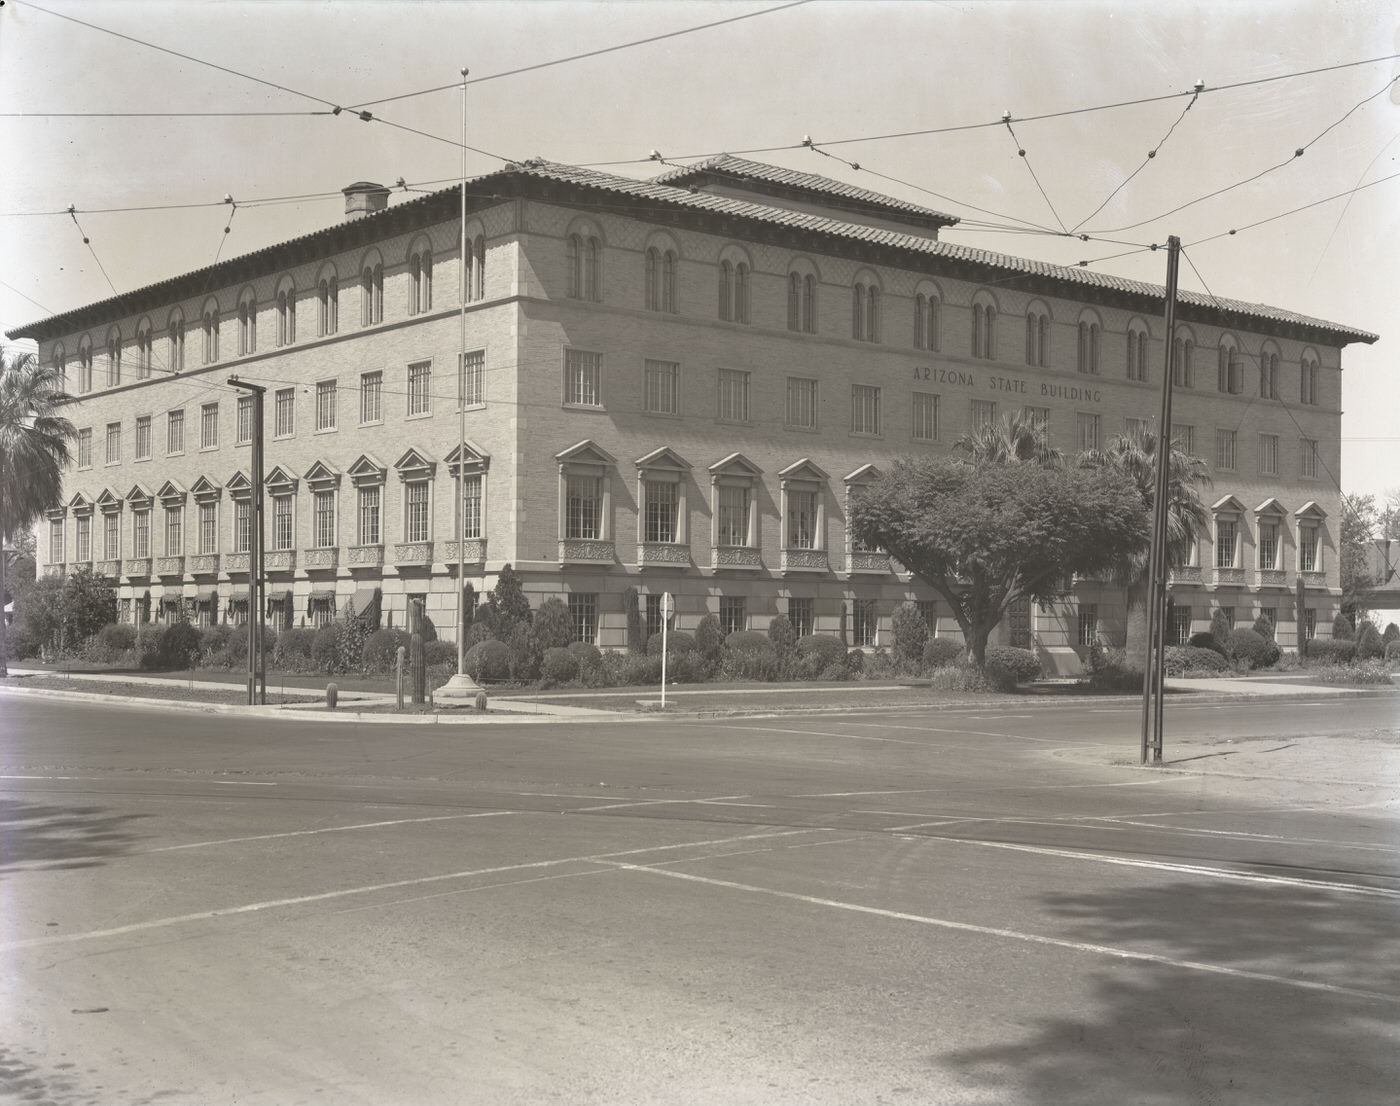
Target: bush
x,y
855,662
749,655
1022,663
1368,642
1248,648
941,652
1331,652
440,654
294,649
178,648
1342,628
1220,629
1109,671
524,657
910,635
958,677
1205,640
559,666
690,668
586,655
1392,633
1369,673
117,637
213,641
816,653
552,627
709,639
1193,660
835,672
325,649
1264,627
380,653
783,638
488,660
678,642
636,627
1392,651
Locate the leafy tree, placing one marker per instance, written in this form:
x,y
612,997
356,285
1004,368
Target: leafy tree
x,y
1015,439
1360,520
1342,629
506,605
553,628
34,450
984,534
1220,630
910,634
1135,456
89,602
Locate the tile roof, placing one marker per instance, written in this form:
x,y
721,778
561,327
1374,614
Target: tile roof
x,y
727,165
673,196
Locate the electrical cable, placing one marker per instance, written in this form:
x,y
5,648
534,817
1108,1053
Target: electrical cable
x,y
1297,153
579,57
233,210
72,214
153,114
16,291
1294,211
1021,151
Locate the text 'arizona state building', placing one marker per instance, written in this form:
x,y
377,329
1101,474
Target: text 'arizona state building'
x,y
673,385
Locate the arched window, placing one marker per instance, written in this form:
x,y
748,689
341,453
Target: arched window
x,y
372,293
420,280
114,357
865,308
476,275
660,280
1090,335
143,349
872,314
928,324
1038,336
176,360
1229,368
60,366
584,262
1307,378
247,324
1137,351
1183,353
84,364
858,312
211,333
327,306
984,320
734,291
1268,373
286,315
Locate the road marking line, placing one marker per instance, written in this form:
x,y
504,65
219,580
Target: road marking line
x,y
242,783
1017,935
1242,834
327,829
650,802
324,896
984,790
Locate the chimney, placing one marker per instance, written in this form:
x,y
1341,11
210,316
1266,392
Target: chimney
x,y
364,198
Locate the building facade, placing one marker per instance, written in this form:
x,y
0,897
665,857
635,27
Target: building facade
x,y
673,385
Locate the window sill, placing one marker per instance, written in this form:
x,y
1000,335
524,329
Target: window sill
x,y
662,414
417,416
596,408
327,429
865,434
800,429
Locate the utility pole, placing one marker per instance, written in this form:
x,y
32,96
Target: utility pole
x,y
1152,676
257,668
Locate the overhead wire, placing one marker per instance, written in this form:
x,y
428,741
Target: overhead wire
x,y
1021,152
1294,211
72,213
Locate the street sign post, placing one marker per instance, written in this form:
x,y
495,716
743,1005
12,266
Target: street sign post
x,y
666,605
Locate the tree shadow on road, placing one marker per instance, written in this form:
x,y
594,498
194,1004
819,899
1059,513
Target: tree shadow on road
x,y
1145,1032
36,835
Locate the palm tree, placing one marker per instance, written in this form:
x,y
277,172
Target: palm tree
x,y
1135,455
34,441
1017,439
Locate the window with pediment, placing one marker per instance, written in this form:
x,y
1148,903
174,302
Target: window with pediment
x,y
735,482
585,492
367,475
469,465
663,476
416,474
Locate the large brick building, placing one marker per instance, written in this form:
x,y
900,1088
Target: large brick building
x,y
673,385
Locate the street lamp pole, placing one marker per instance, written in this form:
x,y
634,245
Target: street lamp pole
x,y
257,668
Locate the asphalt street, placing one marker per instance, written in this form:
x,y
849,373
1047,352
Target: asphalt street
x,y
981,906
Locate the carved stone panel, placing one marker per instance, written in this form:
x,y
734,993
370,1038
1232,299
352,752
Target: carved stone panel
x,y
1272,578
1229,576
869,561
110,569
320,558
237,562
280,560
170,566
413,553
737,556
474,554
204,564
586,551
662,553
805,560
137,568
365,556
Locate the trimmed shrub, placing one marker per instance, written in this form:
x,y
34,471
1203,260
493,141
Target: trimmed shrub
x,y
380,653
179,646
958,677
1331,652
855,662
1247,648
1022,663
1264,627
479,631
910,635
636,627
689,668
559,666
553,626
709,639
440,654
1342,629
1392,633
678,643
834,672
488,660
749,655
1205,640
1392,651
294,649
941,652
1220,629
524,657
586,655
117,637
817,651
325,648
783,638
1193,660
1368,642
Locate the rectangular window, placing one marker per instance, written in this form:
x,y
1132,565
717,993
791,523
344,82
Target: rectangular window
x,y
141,534
1308,383
285,412
1309,623
733,514
208,528
865,409
801,520
865,624
325,402
85,448
653,615
242,525
143,437
471,390
1184,438
733,614
114,443
83,538
1228,613
371,399
175,432
111,536
583,609
1309,459
1179,633
1268,454
801,613
925,417
583,378
1039,416
174,531
1226,541
984,413
281,522
1135,428
662,388
662,510
733,395
928,611
471,506
416,516
1086,430
1307,549
1088,624
1268,545
420,381
367,517
802,403
209,426
323,519
56,541
245,420
583,506
1225,450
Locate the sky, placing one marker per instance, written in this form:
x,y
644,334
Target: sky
x,y
771,74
